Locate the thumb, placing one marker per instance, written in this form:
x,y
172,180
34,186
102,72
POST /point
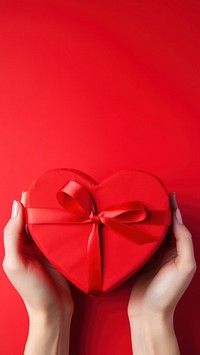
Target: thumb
x,y
184,244
13,237
185,251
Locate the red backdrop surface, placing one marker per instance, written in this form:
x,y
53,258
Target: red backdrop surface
x,y
100,86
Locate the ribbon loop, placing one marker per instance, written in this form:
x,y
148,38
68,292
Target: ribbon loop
x,y
75,197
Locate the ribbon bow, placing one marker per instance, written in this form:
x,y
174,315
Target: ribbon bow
x,y
78,207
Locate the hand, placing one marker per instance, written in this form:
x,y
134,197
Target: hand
x,y
158,288
163,280
45,292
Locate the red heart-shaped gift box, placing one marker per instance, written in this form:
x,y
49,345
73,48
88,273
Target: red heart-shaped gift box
x,y
97,235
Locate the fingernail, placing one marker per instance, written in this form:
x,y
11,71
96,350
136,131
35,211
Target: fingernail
x,y
173,201
15,209
178,216
23,197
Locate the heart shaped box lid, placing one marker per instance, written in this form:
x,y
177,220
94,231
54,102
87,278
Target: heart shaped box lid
x,y
97,235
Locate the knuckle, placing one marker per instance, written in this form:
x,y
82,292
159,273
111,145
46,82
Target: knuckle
x,y
7,229
11,266
129,311
190,267
6,266
194,266
186,232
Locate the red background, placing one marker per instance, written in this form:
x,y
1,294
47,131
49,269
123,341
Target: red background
x,y
100,86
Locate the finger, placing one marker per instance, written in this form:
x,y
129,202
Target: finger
x,y
184,244
13,236
173,202
24,197
23,201
185,250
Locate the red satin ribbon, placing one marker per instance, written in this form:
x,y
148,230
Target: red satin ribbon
x,y
78,207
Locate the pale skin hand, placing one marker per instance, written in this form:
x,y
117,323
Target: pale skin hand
x,y
157,290
45,292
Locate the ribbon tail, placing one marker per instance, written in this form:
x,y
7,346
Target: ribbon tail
x,y
94,262
131,233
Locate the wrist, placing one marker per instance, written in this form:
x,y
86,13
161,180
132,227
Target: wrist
x,y
153,334
55,313
147,314
49,332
